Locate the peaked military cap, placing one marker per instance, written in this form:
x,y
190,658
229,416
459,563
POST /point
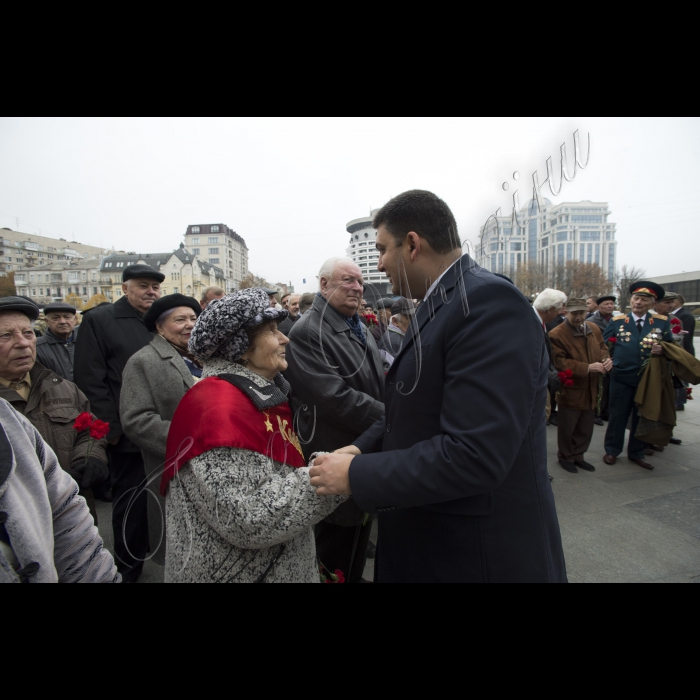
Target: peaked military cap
x,y
145,272
648,289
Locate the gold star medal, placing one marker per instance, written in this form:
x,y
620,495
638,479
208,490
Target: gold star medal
x,y
268,425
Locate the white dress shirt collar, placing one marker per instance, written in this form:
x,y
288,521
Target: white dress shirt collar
x,y
437,281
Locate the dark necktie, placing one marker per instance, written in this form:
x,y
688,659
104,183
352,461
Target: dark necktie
x,y
640,326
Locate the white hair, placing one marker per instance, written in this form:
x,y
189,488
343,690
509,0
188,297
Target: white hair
x,y
550,299
329,267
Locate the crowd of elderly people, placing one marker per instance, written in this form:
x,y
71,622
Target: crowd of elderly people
x,y
216,412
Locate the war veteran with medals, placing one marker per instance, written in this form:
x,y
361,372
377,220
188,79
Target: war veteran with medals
x,y
637,336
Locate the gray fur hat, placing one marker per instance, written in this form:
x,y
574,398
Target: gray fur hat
x,y
221,329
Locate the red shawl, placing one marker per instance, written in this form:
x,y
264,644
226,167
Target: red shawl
x,y
215,414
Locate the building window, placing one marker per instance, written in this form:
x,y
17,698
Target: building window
x,y
570,251
590,252
195,241
215,229
213,251
213,241
195,251
582,257
196,229
560,254
561,237
590,235
94,291
213,261
597,254
587,219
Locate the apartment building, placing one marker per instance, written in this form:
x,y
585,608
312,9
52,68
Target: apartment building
x,y
221,247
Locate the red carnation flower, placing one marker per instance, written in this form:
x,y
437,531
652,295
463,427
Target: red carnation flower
x,y
83,422
613,341
569,383
569,373
340,575
99,430
562,376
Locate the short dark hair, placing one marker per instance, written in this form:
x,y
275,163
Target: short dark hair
x,y
425,214
306,302
681,300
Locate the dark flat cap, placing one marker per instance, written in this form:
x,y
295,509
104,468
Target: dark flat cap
x,y
144,272
403,306
21,305
670,296
172,301
648,289
385,304
58,307
602,300
271,292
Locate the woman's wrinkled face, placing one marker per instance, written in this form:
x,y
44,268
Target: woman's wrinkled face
x,y
268,356
177,328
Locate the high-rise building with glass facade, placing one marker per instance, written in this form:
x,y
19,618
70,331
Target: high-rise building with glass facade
x,y
551,236
363,251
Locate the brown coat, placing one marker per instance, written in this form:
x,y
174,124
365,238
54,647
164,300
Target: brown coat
x,y
54,404
577,354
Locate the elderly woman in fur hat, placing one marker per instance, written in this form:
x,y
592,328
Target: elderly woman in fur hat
x,y
239,503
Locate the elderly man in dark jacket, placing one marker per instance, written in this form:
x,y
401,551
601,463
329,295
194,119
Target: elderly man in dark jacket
x,y
337,380
56,348
49,402
109,336
457,469
601,318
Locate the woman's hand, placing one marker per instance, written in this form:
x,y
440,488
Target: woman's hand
x,y
350,450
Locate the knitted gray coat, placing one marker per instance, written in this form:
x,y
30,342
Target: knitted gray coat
x,y
233,514
51,532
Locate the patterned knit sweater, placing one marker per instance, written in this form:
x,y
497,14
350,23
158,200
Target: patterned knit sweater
x,y
233,515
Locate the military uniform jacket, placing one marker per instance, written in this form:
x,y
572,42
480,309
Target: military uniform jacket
x,y
633,349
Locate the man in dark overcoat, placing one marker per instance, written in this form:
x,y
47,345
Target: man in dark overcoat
x,y
457,469
337,378
109,336
56,348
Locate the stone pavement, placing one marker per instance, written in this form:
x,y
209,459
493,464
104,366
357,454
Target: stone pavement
x,y
620,525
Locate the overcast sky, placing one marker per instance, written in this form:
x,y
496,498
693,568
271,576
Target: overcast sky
x,y
289,185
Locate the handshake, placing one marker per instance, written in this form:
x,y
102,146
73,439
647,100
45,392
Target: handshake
x,y
330,473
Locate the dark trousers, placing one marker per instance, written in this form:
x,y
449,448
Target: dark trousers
x,y
681,396
575,433
604,412
335,546
129,514
622,406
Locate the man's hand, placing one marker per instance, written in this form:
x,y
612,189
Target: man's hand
x,y
657,350
330,475
114,441
596,368
608,365
351,450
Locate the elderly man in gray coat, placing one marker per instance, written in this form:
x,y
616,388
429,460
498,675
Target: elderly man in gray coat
x,y
46,532
154,382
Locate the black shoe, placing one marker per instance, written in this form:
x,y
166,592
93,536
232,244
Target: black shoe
x,y
554,421
598,421
568,467
585,466
371,551
680,408
676,442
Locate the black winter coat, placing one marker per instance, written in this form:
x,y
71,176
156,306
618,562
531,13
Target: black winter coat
x,y
457,470
109,337
56,354
688,321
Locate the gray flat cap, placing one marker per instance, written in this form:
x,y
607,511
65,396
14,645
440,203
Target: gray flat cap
x,y
24,306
